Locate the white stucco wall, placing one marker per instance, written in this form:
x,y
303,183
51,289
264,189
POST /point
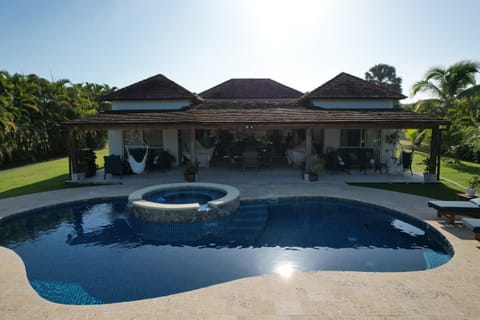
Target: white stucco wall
x,y
353,103
150,105
115,143
170,143
386,148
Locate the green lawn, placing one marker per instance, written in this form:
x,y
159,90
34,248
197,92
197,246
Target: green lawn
x,y
43,176
460,173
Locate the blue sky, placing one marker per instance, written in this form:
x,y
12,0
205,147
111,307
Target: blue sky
x,y
200,43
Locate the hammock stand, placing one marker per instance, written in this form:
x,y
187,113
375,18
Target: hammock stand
x,y
138,167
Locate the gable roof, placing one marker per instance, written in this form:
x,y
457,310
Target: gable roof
x,y
157,87
346,86
251,89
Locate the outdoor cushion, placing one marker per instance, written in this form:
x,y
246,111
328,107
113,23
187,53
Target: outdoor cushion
x,y
472,224
455,206
475,201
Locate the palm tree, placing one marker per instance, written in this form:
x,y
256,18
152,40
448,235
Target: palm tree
x,y
386,76
454,97
446,86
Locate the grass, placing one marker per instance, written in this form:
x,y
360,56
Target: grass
x,y
454,178
440,191
43,176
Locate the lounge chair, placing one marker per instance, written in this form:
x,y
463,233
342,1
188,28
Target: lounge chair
x,y
113,165
450,209
474,225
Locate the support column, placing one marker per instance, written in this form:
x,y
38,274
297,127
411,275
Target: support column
x,y
434,149
72,156
308,149
193,143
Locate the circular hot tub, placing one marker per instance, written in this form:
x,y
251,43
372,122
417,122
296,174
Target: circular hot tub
x,y
183,202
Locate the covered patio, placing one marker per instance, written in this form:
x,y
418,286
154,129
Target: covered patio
x,y
264,176
224,169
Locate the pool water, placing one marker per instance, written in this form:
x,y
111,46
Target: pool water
x,y
93,252
185,195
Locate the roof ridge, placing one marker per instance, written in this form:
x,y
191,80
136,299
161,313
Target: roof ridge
x,y
182,92
372,83
387,93
249,87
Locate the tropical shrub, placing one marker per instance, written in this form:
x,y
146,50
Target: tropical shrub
x,y
32,110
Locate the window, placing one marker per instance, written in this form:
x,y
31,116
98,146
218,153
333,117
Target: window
x,y
152,137
352,137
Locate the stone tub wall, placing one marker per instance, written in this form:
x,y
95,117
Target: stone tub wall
x,y
183,213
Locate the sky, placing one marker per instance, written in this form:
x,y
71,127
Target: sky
x,y
201,43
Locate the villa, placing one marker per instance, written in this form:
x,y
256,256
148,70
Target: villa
x,y
345,115
292,249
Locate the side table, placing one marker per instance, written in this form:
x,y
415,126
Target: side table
x,y
463,196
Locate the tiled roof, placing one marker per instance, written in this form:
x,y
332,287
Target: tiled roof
x,y
346,86
255,113
157,87
251,89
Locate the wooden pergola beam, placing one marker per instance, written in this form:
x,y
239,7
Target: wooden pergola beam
x,y
193,146
72,156
308,149
435,151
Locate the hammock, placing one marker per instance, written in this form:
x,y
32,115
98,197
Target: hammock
x,y
138,167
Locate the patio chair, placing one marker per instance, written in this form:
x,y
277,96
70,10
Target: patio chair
x,y
450,209
407,161
113,165
335,162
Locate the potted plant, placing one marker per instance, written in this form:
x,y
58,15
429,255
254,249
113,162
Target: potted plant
x,y
318,164
473,183
189,172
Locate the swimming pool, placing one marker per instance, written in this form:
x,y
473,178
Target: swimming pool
x,y
93,252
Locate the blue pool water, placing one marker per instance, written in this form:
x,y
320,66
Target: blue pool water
x,y
94,252
185,195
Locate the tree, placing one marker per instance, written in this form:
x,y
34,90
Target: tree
x,y
386,76
447,85
455,97
32,109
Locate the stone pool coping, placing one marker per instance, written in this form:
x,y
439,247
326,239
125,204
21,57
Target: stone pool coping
x,y
447,292
232,194
183,213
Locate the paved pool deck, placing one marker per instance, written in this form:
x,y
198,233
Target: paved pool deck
x,y
448,292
